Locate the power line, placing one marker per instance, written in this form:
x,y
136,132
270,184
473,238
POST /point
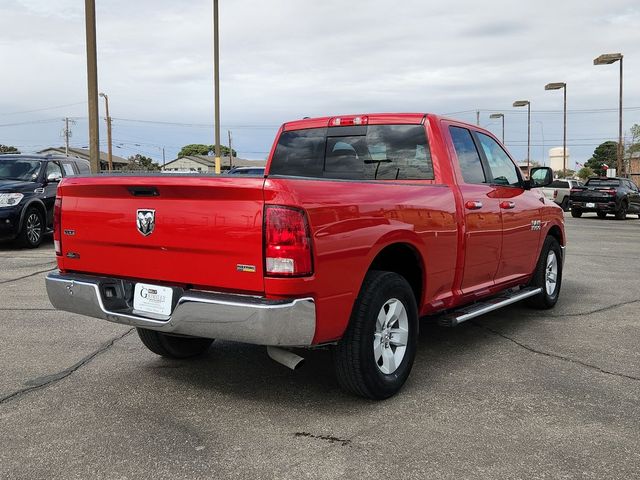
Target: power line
x,y
44,109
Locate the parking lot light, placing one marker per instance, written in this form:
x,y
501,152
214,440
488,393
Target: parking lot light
x,y
499,115
608,59
526,103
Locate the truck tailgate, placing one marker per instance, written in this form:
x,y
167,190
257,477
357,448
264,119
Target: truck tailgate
x,y
592,195
207,231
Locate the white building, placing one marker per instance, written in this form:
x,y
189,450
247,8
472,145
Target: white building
x,y
556,158
206,163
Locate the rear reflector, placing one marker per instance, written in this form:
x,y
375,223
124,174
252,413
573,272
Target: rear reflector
x,y
348,121
57,231
287,248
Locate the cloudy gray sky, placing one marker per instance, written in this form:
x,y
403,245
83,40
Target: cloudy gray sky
x,y
285,59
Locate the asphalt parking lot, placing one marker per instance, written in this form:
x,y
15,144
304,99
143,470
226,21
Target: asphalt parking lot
x,y
515,394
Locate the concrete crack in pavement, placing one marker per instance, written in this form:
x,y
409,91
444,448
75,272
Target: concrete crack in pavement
x,y
43,382
553,355
589,312
5,309
27,276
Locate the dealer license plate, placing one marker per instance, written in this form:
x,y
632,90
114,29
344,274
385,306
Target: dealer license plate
x,y
591,205
152,299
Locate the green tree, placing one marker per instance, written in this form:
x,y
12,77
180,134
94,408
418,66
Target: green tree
x,y
635,139
561,174
139,162
585,172
200,149
604,154
8,149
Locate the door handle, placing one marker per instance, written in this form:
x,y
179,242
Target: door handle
x,y
507,205
473,205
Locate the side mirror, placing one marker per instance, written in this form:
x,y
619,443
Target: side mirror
x,y
540,177
54,177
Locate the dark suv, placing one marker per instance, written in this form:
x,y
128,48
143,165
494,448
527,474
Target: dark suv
x,y
615,195
28,186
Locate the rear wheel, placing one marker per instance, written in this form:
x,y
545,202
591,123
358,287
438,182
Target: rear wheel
x,y
173,346
32,229
621,213
548,275
576,212
374,357
601,214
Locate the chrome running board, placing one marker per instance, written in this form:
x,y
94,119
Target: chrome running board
x,y
468,312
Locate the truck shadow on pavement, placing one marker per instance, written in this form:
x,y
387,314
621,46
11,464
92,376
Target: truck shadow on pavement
x,y
246,372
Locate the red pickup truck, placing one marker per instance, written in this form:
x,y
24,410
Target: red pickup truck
x,y
359,226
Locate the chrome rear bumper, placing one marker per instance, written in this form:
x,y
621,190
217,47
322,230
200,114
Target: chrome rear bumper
x,y
239,318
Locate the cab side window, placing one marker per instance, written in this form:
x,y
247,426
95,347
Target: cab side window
x,y
68,169
468,157
503,170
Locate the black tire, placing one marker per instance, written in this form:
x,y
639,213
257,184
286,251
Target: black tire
x,y
565,204
576,212
173,346
601,214
33,229
357,369
621,213
545,300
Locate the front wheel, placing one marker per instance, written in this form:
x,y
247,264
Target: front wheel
x,y
548,275
374,357
576,213
173,346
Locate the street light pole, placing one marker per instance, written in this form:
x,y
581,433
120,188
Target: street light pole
x,y
92,85
108,120
563,86
499,115
608,59
527,103
216,81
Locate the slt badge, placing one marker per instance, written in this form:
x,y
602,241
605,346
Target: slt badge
x,y
146,221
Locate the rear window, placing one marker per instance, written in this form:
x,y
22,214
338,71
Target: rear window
x,y
559,184
603,182
374,152
83,168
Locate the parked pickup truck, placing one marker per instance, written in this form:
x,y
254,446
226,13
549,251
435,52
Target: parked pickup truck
x,y
360,226
560,190
618,196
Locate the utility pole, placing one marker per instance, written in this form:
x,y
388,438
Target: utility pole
x,y
108,120
67,134
216,82
230,150
163,159
92,84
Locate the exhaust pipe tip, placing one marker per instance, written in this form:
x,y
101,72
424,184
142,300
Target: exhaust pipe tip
x,y
285,357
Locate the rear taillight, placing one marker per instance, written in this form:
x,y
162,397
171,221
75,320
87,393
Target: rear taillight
x,y
610,191
575,190
57,232
287,247
555,194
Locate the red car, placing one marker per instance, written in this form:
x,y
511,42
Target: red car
x,y
361,225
